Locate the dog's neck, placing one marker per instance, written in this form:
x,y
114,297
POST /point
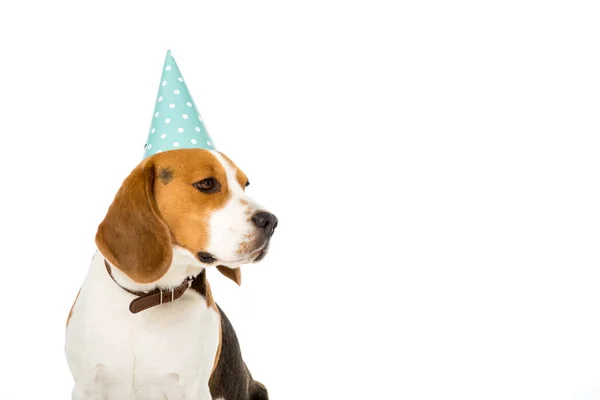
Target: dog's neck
x,y
183,265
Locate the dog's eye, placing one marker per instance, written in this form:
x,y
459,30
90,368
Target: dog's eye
x,y
208,185
247,183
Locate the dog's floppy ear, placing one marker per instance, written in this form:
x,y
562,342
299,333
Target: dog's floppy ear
x,y
235,274
132,236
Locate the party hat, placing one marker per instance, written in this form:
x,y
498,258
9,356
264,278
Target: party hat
x,y
176,123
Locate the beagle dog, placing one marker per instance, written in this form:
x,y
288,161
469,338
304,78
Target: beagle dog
x,y
144,324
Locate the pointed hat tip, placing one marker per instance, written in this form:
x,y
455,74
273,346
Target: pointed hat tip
x,y
169,57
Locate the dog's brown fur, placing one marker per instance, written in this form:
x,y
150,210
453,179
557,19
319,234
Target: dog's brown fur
x,y
149,215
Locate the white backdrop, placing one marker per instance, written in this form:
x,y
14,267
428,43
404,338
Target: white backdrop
x,y
434,167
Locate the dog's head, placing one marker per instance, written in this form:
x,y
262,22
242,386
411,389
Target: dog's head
x,y
192,198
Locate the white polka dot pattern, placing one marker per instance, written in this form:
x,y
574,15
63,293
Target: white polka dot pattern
x,y
176,109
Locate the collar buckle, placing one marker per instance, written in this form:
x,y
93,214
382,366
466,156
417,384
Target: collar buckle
x,y
172,290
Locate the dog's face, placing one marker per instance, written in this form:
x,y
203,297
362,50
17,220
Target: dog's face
x,y
201,197
192,198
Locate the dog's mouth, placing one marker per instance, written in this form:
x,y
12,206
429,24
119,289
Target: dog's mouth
x,y
263,253
260,253
206,257
254,256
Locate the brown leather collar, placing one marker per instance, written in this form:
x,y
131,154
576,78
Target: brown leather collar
x,y
144,301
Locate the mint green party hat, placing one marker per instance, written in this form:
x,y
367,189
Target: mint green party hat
x,y
176,123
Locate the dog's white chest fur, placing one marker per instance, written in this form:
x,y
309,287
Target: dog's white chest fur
x,y
166,352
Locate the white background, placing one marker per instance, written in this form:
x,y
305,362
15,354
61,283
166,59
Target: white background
x,y
434,166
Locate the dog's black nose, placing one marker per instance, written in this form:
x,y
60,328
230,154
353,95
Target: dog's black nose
x,y
265,221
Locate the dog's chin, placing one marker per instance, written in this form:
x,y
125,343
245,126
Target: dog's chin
x,y
248,258
262,253
259,253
